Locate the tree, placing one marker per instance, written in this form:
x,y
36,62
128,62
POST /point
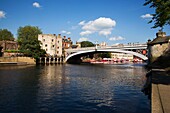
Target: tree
x,y
6,35
162,12
28,41
87,44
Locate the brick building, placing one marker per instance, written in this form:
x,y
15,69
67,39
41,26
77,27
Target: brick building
x,y
67,43
7,45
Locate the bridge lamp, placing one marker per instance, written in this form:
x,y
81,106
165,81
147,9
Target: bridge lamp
x,y
169,42
96,45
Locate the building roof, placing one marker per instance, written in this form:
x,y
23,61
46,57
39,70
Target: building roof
x,y
67,40
160,39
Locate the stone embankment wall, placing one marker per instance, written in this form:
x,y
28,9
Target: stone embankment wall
x,y
28,60
158,50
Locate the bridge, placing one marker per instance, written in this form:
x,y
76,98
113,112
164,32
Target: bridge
x,y
74,55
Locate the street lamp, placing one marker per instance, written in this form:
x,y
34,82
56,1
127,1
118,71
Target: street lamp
x,y
169,43
96,45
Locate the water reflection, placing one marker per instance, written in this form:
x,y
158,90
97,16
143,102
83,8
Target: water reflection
x,y
52,81
73,88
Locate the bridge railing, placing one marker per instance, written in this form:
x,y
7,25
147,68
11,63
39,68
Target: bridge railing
x,y
128,46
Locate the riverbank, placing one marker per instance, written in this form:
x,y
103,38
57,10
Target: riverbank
x,y
17,61
160,83
12,63
157,88
160,91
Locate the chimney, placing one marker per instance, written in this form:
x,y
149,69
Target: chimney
x,y
69,39
59,35
160,34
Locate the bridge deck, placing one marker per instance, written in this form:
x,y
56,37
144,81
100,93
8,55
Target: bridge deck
x,y
140,46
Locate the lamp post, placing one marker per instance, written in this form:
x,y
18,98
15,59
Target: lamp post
x,y
96,46
95,50
17,51
169,43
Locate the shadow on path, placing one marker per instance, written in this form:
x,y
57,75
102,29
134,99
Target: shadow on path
x,y
160,77
155,77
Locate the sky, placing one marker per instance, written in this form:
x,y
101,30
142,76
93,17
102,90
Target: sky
x,y
110,21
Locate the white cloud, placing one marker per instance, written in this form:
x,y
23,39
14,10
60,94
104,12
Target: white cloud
x,y
82,23
36,4
2,14
82,39
86,33
116,38
66,32
102,26
105,32
63,31
146,16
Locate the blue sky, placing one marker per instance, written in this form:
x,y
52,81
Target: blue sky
x,y
110,21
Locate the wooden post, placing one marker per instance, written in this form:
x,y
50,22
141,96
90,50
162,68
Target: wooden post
x,y
45,60
49,60
40,60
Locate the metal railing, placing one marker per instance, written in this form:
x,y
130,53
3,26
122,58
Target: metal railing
x,y
128,46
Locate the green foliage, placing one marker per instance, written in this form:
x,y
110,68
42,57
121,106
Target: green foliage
x,y
28,41
12,51
87,44
162,12
104,55
6,35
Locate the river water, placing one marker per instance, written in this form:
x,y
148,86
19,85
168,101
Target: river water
x,y
73,89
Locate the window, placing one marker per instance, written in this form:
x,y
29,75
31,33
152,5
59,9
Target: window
x,y
58,41
45,45
53,45
52,40
44,40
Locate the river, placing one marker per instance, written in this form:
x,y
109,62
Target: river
x,y
73,89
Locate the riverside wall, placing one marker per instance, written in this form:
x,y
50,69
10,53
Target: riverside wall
x,y
27,60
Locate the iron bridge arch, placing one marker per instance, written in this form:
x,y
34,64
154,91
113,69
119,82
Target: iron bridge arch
x,y
81,53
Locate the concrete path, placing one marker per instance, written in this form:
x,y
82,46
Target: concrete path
x,y
160,92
